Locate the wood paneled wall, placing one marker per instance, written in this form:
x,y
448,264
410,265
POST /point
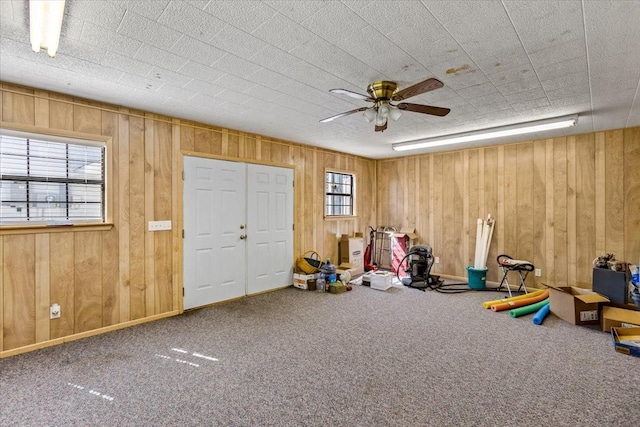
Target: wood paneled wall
x,y
105,279
558,203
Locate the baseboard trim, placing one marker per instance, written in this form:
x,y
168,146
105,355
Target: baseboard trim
x,y
80,335
213,304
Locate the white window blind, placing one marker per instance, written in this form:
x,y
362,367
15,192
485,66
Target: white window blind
x,y
50,181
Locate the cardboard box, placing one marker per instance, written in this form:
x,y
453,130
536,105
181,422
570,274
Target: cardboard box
x,y
401,242
626,340
380,280
353,271
619,317
337,288
575,305
351,251
304,281
408,235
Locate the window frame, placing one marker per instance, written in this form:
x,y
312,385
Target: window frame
x,y
353,194
62,136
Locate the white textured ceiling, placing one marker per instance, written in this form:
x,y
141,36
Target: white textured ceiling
x,y
266,66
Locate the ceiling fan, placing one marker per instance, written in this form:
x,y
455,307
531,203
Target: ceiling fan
x,y
381,93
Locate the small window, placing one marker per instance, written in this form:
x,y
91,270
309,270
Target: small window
x,y
50,180
339,194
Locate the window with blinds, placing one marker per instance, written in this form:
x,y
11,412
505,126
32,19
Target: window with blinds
x,y
339,194
48,180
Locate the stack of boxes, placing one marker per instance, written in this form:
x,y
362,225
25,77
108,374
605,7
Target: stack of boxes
x,y
607,305
351,254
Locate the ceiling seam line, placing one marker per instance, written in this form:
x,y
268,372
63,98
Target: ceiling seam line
x,y
295,56
586,47
527,53
469,56
391,41
313,65
635,98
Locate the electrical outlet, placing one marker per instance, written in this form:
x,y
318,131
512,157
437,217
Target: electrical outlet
x,y
159,225
436,260
538,272
54,311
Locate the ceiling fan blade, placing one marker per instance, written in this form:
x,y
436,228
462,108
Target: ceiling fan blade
x,y
352,94
346,113
381,128
417,89
424,109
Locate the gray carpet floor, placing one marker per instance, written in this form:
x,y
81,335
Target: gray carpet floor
x,y
399,357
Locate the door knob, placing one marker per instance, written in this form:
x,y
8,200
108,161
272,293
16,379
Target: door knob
x,y
243,236
241,226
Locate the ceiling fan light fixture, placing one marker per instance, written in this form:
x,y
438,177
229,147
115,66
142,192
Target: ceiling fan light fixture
x,y
45,24
369,114
381,93
395,113
381,121
383,110
497,132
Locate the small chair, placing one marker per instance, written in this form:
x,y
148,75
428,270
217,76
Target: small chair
x,y
507,264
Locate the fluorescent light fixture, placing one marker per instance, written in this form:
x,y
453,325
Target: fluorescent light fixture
x,y
497,132
45,24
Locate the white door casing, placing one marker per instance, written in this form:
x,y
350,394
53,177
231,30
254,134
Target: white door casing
x,y
238,229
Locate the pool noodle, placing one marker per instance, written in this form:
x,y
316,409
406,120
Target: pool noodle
x,y
541,314
521,311
488,304
520,302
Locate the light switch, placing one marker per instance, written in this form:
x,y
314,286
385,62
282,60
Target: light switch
x,y
159,225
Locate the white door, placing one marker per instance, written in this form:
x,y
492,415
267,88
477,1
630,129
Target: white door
x,y
214,221
270,227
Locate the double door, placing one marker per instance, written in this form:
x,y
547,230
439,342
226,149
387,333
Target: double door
x,y
238,229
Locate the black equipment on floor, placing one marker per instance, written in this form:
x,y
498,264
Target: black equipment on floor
x,y
418,272
419,260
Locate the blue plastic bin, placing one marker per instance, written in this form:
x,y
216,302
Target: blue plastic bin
x,y
477,277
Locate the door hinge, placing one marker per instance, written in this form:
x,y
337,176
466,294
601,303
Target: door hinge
x,y
183,233
293,182
293,227
183,175
182,291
